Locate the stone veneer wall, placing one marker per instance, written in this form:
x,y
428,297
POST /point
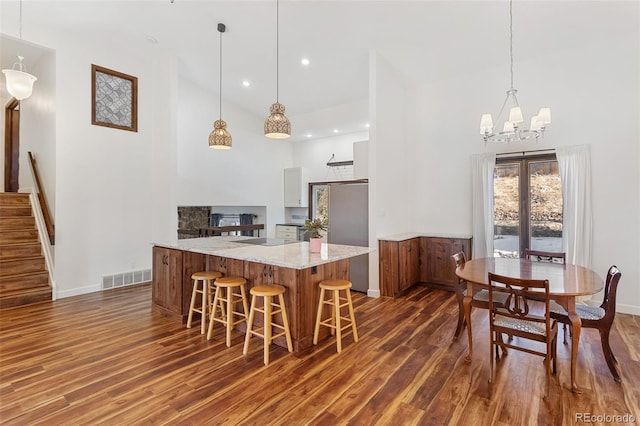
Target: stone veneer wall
x,y
192,217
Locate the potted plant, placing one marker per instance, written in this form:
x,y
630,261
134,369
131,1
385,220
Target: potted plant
x,y
315,226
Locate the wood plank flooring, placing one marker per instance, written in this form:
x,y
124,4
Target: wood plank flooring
x,y
106,359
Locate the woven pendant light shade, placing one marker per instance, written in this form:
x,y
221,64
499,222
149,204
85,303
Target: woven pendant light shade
x,y
220,138
277,125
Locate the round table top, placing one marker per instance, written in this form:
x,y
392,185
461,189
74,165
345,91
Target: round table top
x,y
564,279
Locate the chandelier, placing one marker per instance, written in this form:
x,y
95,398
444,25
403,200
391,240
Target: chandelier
x,y
19,81
512,129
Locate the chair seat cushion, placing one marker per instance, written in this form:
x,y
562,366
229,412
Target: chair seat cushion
x,y
520,324
483,296
584,311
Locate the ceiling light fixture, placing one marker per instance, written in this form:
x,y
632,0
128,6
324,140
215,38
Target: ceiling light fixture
x,y
512,130
220,138
277,125
246,83
305,61
19,81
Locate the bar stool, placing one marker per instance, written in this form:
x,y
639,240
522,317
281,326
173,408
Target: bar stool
x,y
225,287
267,292
206,278
334,322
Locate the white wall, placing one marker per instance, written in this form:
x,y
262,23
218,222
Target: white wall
x,y
393,161
249,174
103,197
313,155
390,196
38,130
593,92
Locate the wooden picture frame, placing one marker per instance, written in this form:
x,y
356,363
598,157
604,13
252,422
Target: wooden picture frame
x,y
114,99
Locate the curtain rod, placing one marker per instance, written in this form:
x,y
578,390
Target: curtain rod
x,y
523,153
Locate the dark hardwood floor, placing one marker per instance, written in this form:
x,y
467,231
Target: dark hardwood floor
x,y
106,358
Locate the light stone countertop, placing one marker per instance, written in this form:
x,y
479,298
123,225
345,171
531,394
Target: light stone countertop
x,y
409,235
294,255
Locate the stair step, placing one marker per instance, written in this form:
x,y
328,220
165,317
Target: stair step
x,y
18,236
14,199
25,265
19,250
15,211
17,222
13,283
26,297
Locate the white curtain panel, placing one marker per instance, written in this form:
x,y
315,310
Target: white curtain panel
x,y
482,167
574,164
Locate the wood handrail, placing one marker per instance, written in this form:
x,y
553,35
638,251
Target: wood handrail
x,y
43,200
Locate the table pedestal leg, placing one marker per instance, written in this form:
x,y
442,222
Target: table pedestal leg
x,y
466,303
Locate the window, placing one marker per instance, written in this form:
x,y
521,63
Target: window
x,y
319,201
527,205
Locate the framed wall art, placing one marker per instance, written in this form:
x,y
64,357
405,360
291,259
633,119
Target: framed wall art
x,y
114,99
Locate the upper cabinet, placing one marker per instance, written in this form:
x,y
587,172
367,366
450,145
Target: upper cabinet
x,y
296,192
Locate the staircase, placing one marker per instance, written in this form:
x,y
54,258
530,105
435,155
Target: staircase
x,y
23,275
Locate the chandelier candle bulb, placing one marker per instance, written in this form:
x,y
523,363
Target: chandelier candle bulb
x,y
535,124
486,124
544,115
515,115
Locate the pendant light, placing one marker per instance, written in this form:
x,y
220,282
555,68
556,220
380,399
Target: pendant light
x,y
512,129
19,81
220,138
277,125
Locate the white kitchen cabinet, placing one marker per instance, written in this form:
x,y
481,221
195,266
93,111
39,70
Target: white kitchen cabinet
x,y
287,232
296,192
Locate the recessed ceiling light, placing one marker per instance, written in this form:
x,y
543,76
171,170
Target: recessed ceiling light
x,y
246,83
336,130
367,125
305,61
152,39
308,135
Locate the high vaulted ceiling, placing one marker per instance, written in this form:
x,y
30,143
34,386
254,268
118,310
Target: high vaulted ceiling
x,y
423,40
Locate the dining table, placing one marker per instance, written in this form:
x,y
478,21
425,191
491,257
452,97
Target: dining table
x,y
566,283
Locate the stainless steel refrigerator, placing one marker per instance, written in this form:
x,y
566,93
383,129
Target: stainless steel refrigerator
x,y
349,224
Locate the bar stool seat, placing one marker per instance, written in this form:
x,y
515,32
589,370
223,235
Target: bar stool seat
x,y
335,320
207,279
269,309
225,287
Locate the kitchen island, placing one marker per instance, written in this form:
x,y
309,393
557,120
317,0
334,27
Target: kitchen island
x,y
259,261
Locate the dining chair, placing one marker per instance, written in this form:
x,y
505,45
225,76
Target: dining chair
x,y
480,297
599,317
516,317
545,256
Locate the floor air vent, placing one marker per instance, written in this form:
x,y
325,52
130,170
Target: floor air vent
x,y
126,278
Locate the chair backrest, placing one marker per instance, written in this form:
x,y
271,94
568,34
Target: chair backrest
x,y
545,256
610,290
459,259
519,293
